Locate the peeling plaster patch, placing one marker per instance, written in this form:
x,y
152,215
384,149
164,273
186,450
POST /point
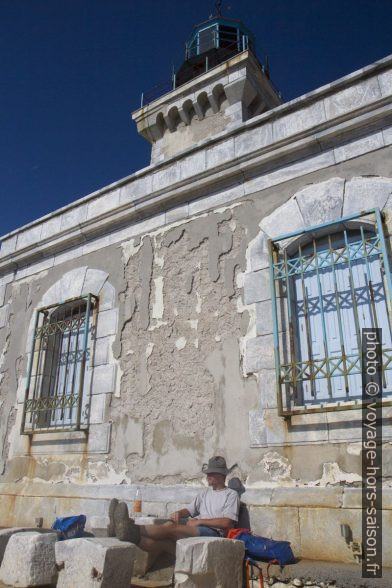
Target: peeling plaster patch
x,y
217,338
199,302
251,331
157,307
145,279
276,466
354,448
232,225
180,343
193,323
196,343
332,474
129,249
160,261
240,279
175,311
149,349
157,325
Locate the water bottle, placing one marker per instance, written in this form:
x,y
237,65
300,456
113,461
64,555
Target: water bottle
x,y
137,503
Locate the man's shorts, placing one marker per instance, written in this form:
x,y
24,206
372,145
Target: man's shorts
x,y
208,531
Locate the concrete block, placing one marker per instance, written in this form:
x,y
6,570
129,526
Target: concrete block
x,y
94,281
362,193
359,147
257,286
322,202
284,219
28,237
259,354
257,252
220,153
74,217
385,81
103,379
103,203
253,139
203,562
94,562
352,98
29,559
107,323
299,121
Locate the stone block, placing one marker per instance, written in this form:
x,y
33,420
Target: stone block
x,y
166,177
135,189
2,294
106,297
178,213
220,153
321,202
259,354
103,203
258,252
264,318
72,283
280,523
253,139
4,314
257,429
28,237
219,199
306,497
193,164
107,323
8,246
299,121
257,286
75,216
94,281
51,227
203,562
103,379
359,147
304,428
29,559
363,193
385,81
97,410
99,438
352,98
94,562
284,219
387,136
6,534
35,268
267,388
101,351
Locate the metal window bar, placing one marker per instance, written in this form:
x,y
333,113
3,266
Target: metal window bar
x,y
307,381
55,390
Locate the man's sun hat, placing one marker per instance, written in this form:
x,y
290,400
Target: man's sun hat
x,y
216,465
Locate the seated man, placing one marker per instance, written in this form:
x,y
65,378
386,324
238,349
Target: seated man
x,y
213,512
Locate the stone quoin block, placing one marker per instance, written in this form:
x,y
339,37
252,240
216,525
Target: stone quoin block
x,y
203,562
94,563
29,560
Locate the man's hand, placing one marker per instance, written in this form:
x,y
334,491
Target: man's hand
x,y
175,517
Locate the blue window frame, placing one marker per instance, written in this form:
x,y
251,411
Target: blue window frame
x,y
327,283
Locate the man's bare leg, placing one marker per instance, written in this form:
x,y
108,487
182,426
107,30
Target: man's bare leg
x,y
170,532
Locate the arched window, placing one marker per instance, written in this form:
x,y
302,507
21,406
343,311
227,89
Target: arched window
x,y
57,383
326,290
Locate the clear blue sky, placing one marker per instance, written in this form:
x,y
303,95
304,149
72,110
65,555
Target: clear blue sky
x,y
72,71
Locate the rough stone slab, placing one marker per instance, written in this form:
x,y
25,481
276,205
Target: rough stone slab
x,y
253,139
5,535
96,562
321,202
359,147
259,354
29,559
99,438
107,323
51,227
74,217
7,246
28,237
267,388
206,562
363,193
103,379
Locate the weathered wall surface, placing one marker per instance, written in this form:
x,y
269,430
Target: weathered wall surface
x,y
178,331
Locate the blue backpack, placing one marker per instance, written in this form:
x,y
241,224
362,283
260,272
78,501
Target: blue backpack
x,y
257,547
69,527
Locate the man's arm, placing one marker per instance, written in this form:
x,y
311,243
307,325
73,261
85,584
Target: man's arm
x,y
223,523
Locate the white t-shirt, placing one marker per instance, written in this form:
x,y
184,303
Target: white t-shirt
x,y
215,504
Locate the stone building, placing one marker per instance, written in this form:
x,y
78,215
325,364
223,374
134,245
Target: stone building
x,y
210,303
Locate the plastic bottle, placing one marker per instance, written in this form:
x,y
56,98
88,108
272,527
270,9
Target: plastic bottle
x,y
137,503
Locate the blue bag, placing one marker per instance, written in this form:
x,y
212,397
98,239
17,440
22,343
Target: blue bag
x,y
69,527
267,549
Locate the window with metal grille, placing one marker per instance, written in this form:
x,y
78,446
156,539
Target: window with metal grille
x,y
335,282
56,388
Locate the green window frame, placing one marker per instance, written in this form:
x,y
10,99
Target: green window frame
x,y
60,352
293,258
